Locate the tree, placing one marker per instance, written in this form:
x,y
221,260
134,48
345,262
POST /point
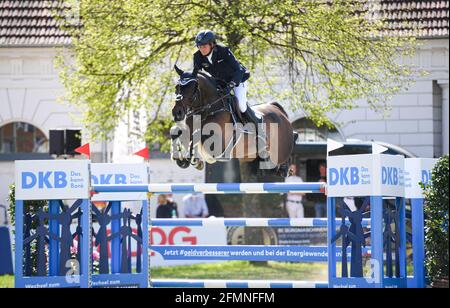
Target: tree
x,y
436,224
333,52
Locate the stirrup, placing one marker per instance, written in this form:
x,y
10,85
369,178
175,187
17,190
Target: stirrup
x,y
261,142
261,145
251,115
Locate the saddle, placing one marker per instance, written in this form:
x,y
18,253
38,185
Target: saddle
x,y
236,115
232,106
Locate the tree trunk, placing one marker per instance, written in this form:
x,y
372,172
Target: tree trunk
x,y
259,205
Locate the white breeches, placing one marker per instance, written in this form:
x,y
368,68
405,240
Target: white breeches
x,y
241,93
295,210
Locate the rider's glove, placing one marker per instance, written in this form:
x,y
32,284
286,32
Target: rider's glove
x,y
232,85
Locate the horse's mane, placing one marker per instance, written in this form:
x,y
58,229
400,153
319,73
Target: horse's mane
x,y
205,75
208,77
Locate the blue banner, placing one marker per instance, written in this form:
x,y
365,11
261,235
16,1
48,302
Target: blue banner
x,y
248,253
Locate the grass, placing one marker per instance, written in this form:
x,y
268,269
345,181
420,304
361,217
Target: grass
x,y
6,282
239,270
231,270
244,270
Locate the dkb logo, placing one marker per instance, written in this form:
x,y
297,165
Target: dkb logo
x,y
389,176
344,176
49,179
105,179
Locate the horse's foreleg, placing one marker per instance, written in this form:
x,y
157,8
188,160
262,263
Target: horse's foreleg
x,y
182,163
200,165
195,157
180,147
177,154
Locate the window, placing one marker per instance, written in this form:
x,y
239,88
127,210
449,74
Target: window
x,y
309,132
20,137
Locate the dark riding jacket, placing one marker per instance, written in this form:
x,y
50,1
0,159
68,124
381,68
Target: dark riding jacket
x,y
224,67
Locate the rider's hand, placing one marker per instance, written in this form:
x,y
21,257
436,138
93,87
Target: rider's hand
x,y
232,85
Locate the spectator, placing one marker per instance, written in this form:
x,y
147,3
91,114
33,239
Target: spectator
x,y
323,170
294,205
194,206
320,206
165,208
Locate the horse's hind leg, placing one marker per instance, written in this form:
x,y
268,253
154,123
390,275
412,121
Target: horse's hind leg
x,y
283,170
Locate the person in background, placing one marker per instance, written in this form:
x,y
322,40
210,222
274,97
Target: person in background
x,y
320,206
323,170
320,200
294,205
173,204
165,208
194,206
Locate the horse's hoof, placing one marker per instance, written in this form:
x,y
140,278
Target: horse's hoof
x,y
200,165
284,171
182,163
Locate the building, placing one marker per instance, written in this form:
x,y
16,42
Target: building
x,y
419,119
29,88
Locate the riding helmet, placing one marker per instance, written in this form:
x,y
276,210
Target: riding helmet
x,y
205,37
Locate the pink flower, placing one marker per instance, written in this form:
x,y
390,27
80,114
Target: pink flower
x,y
95,254
74,248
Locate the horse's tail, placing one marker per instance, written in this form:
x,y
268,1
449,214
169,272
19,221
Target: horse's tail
x,y
281,108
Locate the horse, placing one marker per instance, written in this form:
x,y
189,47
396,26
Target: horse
x,y
201,106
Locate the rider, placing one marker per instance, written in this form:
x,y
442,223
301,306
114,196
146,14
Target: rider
x,y
220,62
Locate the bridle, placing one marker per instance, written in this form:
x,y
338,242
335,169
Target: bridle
x,y
183,82
196,97
208,110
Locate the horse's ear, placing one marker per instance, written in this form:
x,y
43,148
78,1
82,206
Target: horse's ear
x,y
179,71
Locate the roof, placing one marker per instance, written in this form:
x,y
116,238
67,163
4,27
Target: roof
x,y
31,22
420,18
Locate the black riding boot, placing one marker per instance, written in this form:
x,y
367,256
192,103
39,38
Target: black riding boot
x,y
260,131
251,116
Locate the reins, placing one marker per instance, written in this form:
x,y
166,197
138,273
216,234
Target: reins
x,y
202,109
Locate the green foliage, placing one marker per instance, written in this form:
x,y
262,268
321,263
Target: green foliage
x,y
436,222
320,57
30,207
6,282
